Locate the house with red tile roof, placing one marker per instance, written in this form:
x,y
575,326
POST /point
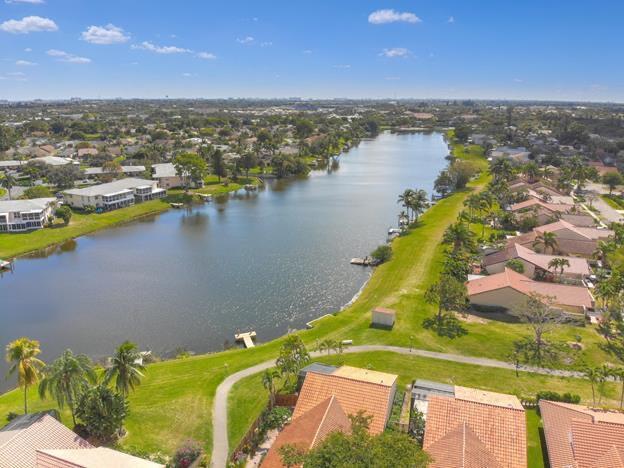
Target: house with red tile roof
x,y
581,437
38,440
475,429
356,390
308,430
546,212
508,290
534,262
571,240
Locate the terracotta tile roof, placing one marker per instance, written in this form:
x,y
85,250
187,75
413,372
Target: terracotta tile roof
x,y
477,395
366,375
354,392
578,265
22,437
100,457
461,448
531,202
580,437
309,429
585,232
565,295
487,432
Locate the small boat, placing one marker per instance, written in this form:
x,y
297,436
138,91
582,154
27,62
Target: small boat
x,y
205,196
250,187
177,205
394,231
5,265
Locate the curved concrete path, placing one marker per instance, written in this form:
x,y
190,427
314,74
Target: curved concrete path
x,y
220,448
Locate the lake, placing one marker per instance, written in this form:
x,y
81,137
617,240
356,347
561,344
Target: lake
x,y
269,260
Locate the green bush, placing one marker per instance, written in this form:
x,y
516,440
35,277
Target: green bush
x,y
554,396
38,191
382,254
276,418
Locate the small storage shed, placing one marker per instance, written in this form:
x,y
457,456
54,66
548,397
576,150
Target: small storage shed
x,y
382,317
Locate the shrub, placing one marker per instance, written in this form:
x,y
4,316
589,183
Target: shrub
x,y
11,416
276,418
554,396
187,454
102,411
63,212
38,191
382,254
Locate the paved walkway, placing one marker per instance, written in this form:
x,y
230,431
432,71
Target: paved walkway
x,y
220,449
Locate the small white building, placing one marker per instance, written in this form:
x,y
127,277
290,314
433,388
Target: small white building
x,y
117,194
382,317
26,215
166,175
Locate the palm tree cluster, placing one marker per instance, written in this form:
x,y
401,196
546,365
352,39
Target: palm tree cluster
x,y
70,375
415,203
599,376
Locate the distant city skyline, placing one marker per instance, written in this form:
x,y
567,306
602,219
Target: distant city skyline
x,y
530,50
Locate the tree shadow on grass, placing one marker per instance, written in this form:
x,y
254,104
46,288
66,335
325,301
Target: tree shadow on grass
x,y
447,325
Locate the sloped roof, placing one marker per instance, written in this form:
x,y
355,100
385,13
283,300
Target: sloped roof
x,y
586,232
582,437
100,457
578,265
354,392
22,437
487,431
564,294
558,207
309,429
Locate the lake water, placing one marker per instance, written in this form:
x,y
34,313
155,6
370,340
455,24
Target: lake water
x,y
268,261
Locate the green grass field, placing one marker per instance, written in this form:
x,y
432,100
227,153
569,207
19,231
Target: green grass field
x,y
175,400
614,201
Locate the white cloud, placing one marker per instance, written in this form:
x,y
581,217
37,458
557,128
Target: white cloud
x,y
307,51
518,80
266,44
343,66
395,52
28,24
24,63
146,45
27,49
451,19
16,74
245,40
32,2
392,16
67,57
393,78
206,55
105,35
187,75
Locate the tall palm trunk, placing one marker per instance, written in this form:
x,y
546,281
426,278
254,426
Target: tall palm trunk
x,y
25,399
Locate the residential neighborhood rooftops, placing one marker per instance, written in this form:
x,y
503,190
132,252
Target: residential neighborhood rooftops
x,y
577,265
581,437
124,169
532,202
111,187
585,232
20,439
309,429
366,375
100,457
164,170
563,294
22,206
471,434
369,392
53,160
489,398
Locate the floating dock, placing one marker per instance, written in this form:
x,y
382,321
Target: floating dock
x,y
4,265
204,196
366,261
246,338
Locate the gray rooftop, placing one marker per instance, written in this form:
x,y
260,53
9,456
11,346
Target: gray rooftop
x,y
164,170
434,386
318,368
111,187
36,204
124,169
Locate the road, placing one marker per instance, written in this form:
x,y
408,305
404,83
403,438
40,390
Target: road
x,y
220,448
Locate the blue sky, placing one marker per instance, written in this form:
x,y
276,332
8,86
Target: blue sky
x,y
525,49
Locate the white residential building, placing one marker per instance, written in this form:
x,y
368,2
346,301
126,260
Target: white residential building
x,y
166,175
26,215
117,194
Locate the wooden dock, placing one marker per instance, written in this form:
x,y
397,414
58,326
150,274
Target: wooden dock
x,y
246,338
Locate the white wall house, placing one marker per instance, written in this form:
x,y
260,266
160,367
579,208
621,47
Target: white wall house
x,y
117,194
167,176
26,215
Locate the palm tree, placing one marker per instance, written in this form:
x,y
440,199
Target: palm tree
x,y
618,373
269,377
418,203
486,203
8,181
460,236
327,345
473,203
593,374
502,169
604,249
22,355
406,199
66,378
531,171
547,240
559,264
126,368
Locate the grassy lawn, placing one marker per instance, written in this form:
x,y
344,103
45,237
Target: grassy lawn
x,y
248,395
535,447
214,187
2,192
175,399
614,201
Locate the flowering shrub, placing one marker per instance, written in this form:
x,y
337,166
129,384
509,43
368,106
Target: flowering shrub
x,y
186,454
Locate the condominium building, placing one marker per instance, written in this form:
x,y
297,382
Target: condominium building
x,y
26,215
117,194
